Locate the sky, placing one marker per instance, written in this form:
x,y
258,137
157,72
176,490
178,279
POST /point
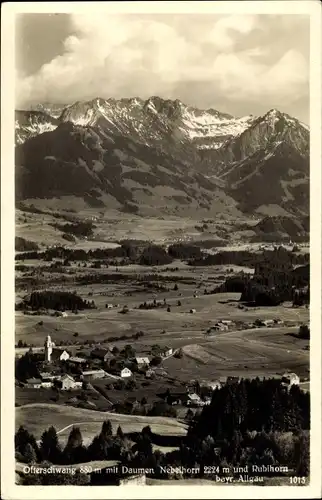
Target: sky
x,y
238,64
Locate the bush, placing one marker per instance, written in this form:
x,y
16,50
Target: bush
x,y
304,332
156,361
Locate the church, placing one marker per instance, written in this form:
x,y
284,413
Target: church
x,y
53,353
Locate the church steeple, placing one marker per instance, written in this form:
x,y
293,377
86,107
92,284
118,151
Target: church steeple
x,y
48,348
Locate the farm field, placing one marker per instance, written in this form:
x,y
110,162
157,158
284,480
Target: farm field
x,y
240,352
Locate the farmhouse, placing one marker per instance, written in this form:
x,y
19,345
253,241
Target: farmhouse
x,y
126,372
47,376
47,384
144,361
93,374
102,354
221,326
216,384
76,360
194,400
33,383
227,322
290,379
109,306
268,322
192,311
67,382
166,352
177,398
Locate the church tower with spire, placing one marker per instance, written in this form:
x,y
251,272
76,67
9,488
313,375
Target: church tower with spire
x,y
48,348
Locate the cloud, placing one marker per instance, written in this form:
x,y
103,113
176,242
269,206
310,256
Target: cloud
x,y
119,56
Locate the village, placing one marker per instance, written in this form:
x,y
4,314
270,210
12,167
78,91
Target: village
x,y
127,381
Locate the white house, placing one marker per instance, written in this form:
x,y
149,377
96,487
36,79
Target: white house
x,y
290,379
67,382
149,373
192,311
47,385
227,322
221,326
142,361
216,384
33,383
194,400
126,373
167,352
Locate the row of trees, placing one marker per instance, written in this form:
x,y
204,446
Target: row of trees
x,y
279,256
57,300
80,229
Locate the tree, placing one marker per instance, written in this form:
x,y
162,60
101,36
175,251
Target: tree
x,y
143,401
107,429
120,433
175,288
302,455
131,385
189,415
178,354
304,332
156,361
49,447
22,438
30,454
74,451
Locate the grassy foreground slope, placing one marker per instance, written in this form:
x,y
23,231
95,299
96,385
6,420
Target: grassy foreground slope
x,y
38,417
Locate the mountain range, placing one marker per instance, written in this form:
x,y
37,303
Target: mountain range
x,y
160,156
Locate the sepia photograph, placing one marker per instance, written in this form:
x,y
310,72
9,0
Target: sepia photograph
x,y
163,249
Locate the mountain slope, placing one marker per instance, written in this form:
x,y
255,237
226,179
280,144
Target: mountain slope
x,y
268,164
31,123
163,155
87,163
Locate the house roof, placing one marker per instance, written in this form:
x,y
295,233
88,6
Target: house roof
x,y
46,374
126,369
77,359
33,381
142,361
101,352
178,393
66,376
92,372
290,375
56,353
194,397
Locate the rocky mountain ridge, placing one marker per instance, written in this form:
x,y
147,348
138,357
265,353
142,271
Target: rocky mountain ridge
x,y
137,147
